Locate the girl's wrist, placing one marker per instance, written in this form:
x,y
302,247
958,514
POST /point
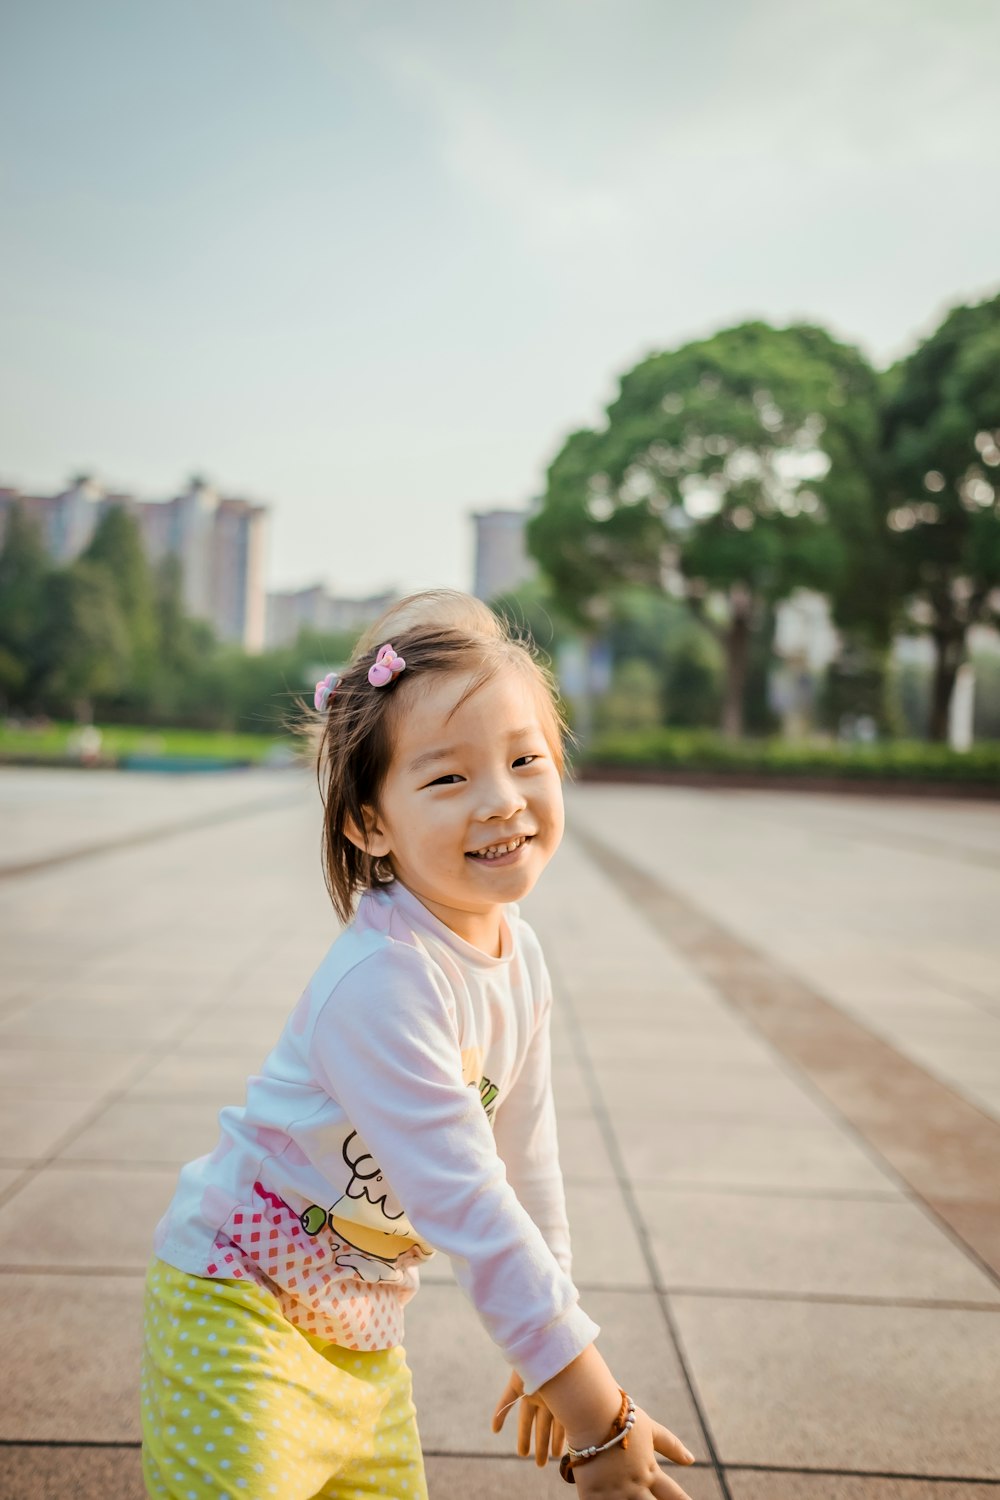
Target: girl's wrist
x,y
595,1437
584,1397
577,1456
585,1437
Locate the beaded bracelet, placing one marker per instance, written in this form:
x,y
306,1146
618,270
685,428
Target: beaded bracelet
x,y
620,1429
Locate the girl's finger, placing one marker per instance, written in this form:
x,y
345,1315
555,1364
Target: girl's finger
x,y
504,1405
543,1431
525,1417
665,1442
558,1439
664,1488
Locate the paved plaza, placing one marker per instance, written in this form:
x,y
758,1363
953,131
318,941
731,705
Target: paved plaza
x,y
777,1054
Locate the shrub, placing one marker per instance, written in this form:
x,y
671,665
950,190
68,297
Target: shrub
x,y
673,750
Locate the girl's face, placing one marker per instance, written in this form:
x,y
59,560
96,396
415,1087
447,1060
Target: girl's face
x,y
457,786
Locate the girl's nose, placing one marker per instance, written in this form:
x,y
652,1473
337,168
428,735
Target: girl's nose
x,y
502,799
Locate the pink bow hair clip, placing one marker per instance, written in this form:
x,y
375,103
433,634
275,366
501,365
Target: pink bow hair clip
x,y
325,691
387,666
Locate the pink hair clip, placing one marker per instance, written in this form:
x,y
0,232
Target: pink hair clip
x,y
325,691
387,666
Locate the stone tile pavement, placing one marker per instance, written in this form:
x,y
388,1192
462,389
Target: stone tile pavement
x,y
778,1069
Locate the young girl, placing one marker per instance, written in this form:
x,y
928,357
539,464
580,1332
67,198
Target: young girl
x,y
406,1107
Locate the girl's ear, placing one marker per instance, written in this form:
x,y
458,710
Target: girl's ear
x,y
372,840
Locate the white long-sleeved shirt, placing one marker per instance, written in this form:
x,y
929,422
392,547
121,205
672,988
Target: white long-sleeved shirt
x,y
366,1143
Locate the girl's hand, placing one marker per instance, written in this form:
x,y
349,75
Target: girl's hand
x,y
634,1474
533,1413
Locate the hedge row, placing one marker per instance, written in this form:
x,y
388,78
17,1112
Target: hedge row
x,y
59,742
679,750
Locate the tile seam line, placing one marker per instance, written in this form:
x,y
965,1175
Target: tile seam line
x,y
641,879
135,840
119,1092
143,1065
755,814
610,1138
985,1003
640,884
883,838
168,1046
135,1445
892,1474
677,1471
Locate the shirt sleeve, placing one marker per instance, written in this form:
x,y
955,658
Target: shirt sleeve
x,y
385,1045
526,1138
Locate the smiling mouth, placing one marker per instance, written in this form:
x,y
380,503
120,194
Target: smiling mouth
x,y
494,852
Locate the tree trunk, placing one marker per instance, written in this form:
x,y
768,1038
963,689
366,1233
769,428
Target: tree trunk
x,y
949,649
737,658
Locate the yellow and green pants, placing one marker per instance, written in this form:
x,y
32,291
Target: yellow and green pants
x,y
236,1401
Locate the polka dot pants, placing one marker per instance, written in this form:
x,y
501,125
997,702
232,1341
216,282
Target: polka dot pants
x,y
236,1402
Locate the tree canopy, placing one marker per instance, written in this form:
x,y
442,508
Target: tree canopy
x,y
117,548
941,442
83,640
23,568
733,469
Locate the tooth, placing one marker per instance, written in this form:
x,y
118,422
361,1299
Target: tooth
x,y
496,850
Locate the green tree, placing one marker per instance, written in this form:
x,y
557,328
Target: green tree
x,y
174,638
734,470
532,610
184,647
648,625
633,700
83,640
117,547
694,678
987,704
941,443
23,568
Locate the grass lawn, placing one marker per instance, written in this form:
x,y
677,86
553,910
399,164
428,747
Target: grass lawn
x,y
55,741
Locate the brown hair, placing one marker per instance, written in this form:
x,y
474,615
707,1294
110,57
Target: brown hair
x,y
438,631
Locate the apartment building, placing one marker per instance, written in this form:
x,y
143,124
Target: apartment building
x,y
219,539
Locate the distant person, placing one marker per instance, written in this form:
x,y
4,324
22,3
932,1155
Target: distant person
x,y
407,1106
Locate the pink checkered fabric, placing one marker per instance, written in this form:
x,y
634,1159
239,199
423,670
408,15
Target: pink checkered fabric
x,y
265,1243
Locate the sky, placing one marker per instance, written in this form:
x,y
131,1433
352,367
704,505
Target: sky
x,y
370,263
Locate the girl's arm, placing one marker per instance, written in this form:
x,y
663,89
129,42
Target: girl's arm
x,y
583,1398
526,1137
525,1131
386,1047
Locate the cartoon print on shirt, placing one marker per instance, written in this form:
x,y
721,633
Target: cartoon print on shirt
x,y
473,1075
368,1218
366,1170
489,1094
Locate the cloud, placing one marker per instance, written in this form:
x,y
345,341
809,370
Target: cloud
x,y
648,137
551,208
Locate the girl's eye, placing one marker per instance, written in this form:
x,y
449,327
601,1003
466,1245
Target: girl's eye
x,y
453,776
